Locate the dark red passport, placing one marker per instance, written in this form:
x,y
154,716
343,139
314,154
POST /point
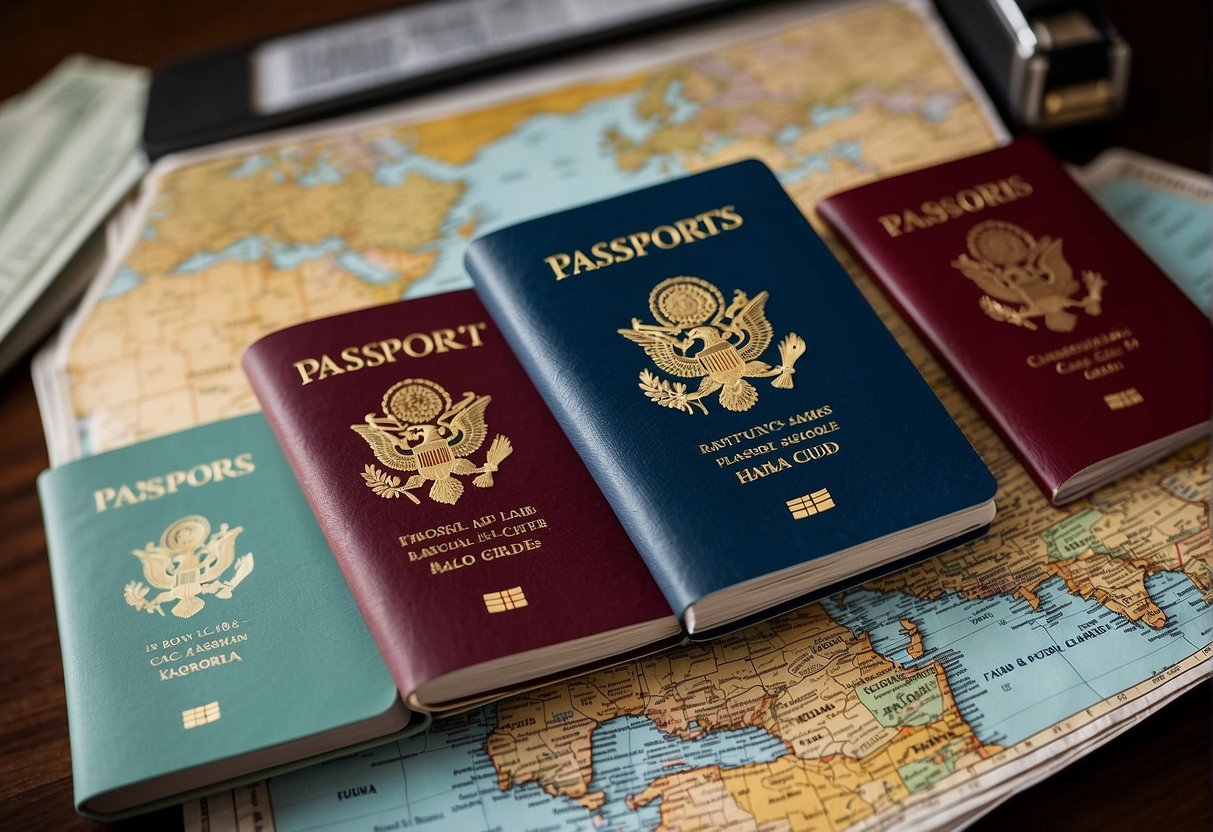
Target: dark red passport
x,y
480,551
1082,353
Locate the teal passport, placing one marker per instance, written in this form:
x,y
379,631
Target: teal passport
x,y
207,635
759,432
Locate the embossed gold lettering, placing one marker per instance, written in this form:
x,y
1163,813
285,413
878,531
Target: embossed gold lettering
x,y
627,247
558,263
510,549
953,206
388,351
816,452
730,219
162,485
353,361
666,237
748,475
582,263
418,345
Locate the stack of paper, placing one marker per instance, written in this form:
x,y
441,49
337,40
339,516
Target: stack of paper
x,y
69,151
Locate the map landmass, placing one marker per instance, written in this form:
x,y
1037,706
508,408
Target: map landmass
x,y
235,247
849,718
826,718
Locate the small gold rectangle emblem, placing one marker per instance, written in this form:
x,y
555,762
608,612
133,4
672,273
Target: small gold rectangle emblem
x,y
1123,398
202,715
506,600
810,504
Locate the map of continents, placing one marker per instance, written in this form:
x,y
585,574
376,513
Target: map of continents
x,y
840,714
827,718
235,246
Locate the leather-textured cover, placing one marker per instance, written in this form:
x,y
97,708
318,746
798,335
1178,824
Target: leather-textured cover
x,y
1069,338
703,480
465,521
189,574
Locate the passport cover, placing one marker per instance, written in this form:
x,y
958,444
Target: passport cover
x,y
1069,338
464,522
201,615
738,402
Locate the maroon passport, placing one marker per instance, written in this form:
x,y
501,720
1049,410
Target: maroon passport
x,y
480,551
1082,353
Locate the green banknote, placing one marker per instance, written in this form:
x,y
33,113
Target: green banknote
x,y
69,151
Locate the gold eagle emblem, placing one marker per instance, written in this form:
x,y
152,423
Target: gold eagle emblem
x,y
691,311
1025,278
188,563
422,433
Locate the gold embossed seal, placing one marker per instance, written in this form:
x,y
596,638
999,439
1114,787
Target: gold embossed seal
x,y
1025,278
421,432
189,562
690,311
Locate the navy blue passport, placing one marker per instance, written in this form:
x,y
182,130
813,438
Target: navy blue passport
x,y
759,432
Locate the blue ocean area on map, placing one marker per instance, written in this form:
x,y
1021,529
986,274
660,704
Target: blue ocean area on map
x,y
631,752
360,267
1015,671
323,172
548,163
285,256
445,780
823,114
250,166
440,780
247,250
681,110
810,163
124,279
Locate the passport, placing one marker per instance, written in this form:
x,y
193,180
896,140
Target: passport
x,y
758,431
1083,355
207,636
482,555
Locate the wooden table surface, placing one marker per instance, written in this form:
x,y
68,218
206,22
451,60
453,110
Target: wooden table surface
x,y
1157,776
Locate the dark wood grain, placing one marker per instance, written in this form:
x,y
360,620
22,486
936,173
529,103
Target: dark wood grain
x,y
1154,777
